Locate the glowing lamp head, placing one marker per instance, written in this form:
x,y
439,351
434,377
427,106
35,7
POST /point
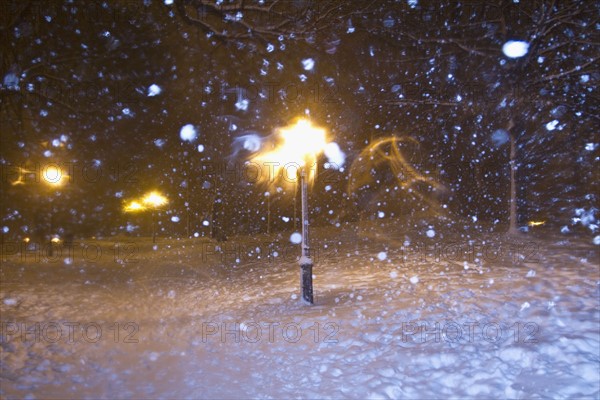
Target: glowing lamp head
x,y
302,142
298,145
154,200
134,206
536,223
54,176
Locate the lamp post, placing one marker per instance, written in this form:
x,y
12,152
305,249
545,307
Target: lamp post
x,y
154,200
268,196
306,263
54,178
299,144
151,201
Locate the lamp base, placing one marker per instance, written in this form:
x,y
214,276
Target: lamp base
x,y
306,266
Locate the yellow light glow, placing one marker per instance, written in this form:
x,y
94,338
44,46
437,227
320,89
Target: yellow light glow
x,y
154,199
54,176
299,146
26,240
55,239
22,173
133,207
536,223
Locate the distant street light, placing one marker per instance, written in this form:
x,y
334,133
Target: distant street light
x,y
154,200
53,176
151,201
134,206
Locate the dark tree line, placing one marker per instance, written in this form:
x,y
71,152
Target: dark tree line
x,y
432,71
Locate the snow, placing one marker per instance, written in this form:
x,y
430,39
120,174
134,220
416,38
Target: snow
x,y
515,48
10,302
378,239
296,238
552,125
251,142
154,90
188,133
194,327
242,104
335,155
308,64
500,137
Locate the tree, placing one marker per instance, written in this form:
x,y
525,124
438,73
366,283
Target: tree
x,y
235,29
547,89
65,89
291,19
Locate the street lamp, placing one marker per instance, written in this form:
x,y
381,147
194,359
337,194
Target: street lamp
x,y
300,145
134,206
154,200
53,176
151,201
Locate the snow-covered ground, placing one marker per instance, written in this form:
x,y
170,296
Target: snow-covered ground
x,y
395,317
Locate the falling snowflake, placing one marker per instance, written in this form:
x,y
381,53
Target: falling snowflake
x,y
515,48
154,90
188,133
296,238
308,64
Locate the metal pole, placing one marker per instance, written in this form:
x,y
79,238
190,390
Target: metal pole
x,y
295,201
187,200
512,229
269,213
153,226
306,263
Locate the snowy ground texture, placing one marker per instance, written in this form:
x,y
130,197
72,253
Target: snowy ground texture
x,y
485,317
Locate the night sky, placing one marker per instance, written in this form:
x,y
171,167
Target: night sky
x,y
103,89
